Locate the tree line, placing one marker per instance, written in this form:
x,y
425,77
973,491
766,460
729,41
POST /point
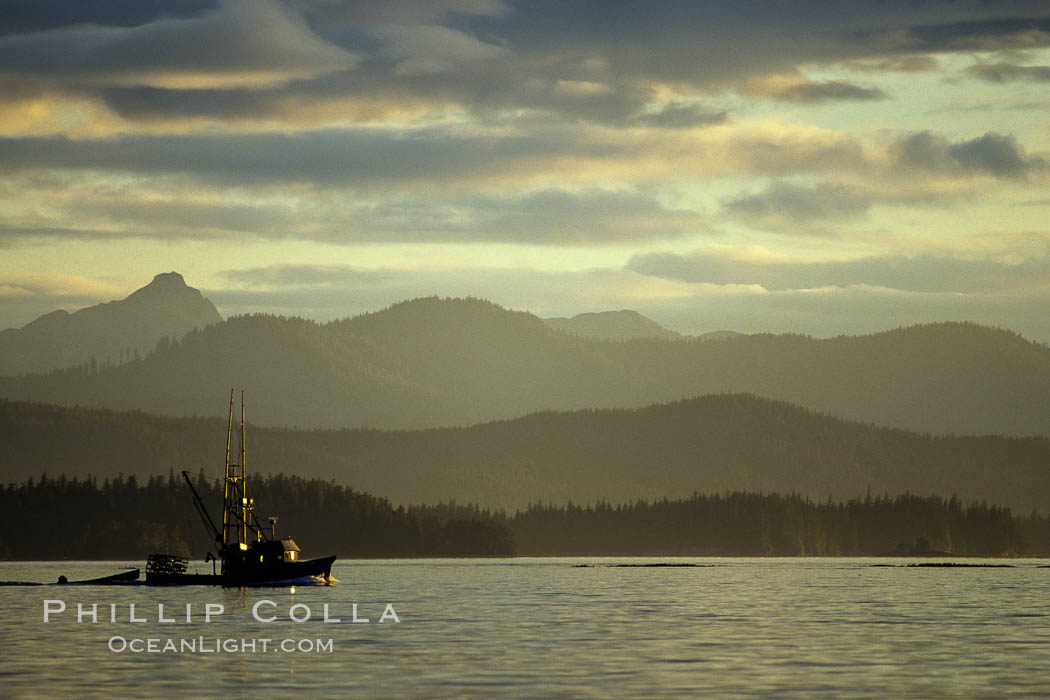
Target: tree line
x,y
123,518
753,524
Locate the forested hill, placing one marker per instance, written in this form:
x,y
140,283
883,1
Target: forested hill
x,y
712,444
439,362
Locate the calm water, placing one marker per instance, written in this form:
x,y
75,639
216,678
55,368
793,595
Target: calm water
x,y
546,628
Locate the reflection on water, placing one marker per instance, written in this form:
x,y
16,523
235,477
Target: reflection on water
x,y
545,627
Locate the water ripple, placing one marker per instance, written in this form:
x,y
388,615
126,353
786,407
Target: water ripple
x,y
542,628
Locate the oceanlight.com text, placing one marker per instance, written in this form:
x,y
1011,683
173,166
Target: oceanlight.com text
x,y
217,645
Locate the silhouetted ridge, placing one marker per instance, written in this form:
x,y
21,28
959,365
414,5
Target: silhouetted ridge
x,y
439,362
711,444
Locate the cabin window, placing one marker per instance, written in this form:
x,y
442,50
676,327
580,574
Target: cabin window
x,y
260,559
289,555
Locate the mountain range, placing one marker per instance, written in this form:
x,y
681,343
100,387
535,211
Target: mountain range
x,y
435,362
712,444
110,333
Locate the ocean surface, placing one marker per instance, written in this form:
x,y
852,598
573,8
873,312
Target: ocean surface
x,y
541,628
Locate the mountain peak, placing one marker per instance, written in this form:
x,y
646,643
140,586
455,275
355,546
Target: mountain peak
x,y
168,279
166,285
110,332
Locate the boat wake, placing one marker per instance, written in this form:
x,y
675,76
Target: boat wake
x,y
295,582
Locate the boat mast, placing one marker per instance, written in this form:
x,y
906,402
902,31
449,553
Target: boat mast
x,y
227,495
237,507
244,484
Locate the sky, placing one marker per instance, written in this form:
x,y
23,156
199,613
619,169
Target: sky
x,y
827,167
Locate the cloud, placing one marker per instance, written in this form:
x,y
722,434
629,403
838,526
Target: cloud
x,y
992,154
492,58
1006,26
434,89
552,186
1009,72
786,204
28,16
111,211
246,110
185,216
441,157
284,276
681,116
829,91
14,233
239,44
612,65
545,217
148,103
894,64
338,15
920,274
788,207
344,157
709,46
592,216
424,49
775,150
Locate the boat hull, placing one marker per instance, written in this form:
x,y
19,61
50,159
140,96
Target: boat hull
x,y
131,576
261,575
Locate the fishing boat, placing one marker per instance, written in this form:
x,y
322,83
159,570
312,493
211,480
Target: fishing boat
x,y
250,554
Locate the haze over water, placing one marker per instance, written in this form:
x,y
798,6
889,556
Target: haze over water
x,y
549,628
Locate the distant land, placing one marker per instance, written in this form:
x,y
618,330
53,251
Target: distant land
x,y
624,325
611,325
442,362
110,333
712,444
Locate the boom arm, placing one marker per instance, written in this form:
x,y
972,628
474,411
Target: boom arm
x,y
209,524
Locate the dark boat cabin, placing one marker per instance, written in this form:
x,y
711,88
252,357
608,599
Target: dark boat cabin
x,y
273,551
